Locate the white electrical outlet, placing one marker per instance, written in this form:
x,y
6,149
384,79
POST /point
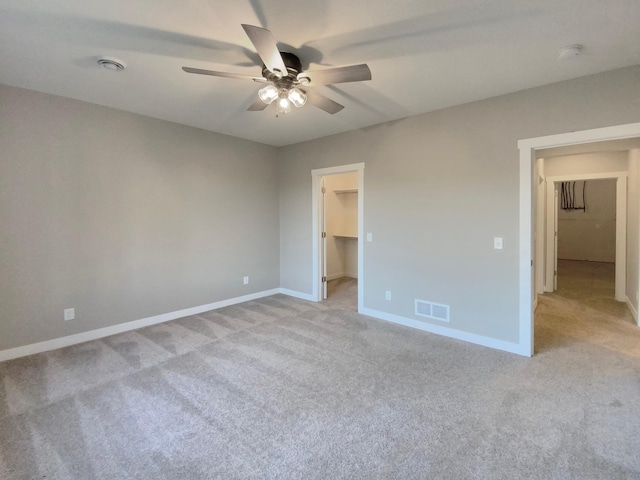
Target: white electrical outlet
x,y
245,280
69,314
369,237
387,295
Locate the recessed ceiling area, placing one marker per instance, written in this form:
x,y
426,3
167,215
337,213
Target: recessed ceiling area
x,y
423,56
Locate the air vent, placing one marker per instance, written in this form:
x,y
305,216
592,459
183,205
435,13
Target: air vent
x,y
436,311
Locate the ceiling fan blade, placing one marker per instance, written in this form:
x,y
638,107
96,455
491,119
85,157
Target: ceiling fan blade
x,y
213,73
353,73
323,103
257,106
266,47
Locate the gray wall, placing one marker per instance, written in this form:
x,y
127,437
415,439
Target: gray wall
x,y
633,228
438,188
124,217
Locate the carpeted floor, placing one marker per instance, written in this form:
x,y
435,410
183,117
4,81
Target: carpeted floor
x,y
288,389
342,293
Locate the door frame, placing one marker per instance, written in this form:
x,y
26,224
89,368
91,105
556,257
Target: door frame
x,y
323,238
527,162
539,266
550,239
316,192
621,226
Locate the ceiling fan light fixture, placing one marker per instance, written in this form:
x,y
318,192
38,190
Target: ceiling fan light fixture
x,y
284,104
297,97
268,94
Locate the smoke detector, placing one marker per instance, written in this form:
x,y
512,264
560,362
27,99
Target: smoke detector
x,y
110,63
570,52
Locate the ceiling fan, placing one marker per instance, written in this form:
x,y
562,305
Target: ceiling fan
x,y
286,81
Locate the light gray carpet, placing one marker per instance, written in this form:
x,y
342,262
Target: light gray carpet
x,y
343,293
283,388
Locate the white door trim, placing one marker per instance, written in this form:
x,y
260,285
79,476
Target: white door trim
x,y
586,176
527,149
621,225
540,186
316,191
621,239
551,200
322,210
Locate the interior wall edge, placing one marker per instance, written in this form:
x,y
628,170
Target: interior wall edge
x,y
296,294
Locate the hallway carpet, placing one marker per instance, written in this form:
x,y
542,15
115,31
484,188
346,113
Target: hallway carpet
x,y
284,388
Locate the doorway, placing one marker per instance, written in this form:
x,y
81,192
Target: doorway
x,y
527,214
338,249
339,237
594,234
586,240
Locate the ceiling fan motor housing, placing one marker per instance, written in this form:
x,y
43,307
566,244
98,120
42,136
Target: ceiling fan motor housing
x,y
294,67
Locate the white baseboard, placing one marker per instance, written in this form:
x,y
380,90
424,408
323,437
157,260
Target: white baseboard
x,y
632,309
448,332
165,317
125,327
293,293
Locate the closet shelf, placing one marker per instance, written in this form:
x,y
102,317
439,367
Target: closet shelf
x,y
345,236
346,190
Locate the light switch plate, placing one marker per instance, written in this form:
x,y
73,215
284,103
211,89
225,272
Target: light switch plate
x,y
497,243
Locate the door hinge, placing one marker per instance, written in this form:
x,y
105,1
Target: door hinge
x,y
324,234
532,263
324,279
324,190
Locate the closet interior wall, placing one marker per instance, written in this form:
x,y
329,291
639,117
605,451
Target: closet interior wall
x,y
341,211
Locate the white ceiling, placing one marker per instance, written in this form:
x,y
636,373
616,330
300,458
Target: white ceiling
x,y
424,54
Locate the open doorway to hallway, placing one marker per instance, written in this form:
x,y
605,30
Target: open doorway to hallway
x,y
568,229
532,267
580,303
582,234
